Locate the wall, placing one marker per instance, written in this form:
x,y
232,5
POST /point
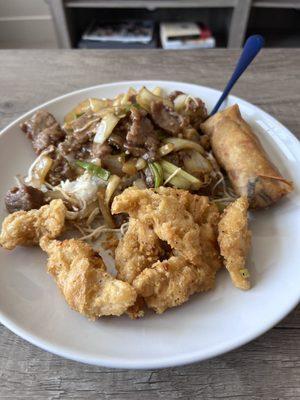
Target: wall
x,y
26,24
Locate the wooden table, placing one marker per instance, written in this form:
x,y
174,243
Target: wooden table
x,y
267,368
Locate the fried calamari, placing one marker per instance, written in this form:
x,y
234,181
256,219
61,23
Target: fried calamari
x,y
25,228
139,248
188,223
234,240
170,250
82,278
171,282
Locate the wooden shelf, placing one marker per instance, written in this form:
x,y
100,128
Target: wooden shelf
x,y
65,12
276,3
152,4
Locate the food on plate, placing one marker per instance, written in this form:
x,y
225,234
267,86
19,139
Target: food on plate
x,y
176,217
180,239
43,130
234,240
25,228
240,153
170,283
138,249
83,280
142,178
138,309
24,198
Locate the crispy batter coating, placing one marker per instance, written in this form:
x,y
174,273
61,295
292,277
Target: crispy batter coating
x,y
207,216
82,278
234,240
25,228
139,248
171,282
239,151
138,309
188,223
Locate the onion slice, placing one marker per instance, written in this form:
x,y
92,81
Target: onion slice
x,y
112,185
145,98
181,144
105,128
182,179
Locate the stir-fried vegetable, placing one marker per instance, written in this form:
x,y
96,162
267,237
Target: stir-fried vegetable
x,y
139,183
182,144
145,98
94,169
94,105
125,99
81,214
39,170
180,102
112,185
166,149
114,163
182,179
129,167
108,219
105,128
157,173
158,91
140,164
84,122
196,164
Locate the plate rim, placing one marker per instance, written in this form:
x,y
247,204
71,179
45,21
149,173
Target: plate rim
x,y
179,360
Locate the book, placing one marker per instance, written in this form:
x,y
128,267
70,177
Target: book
x,y
185,35
125,32
94,44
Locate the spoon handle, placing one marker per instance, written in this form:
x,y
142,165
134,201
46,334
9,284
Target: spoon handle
x,y
252,47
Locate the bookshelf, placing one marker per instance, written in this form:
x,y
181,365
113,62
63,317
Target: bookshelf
x,y
231,17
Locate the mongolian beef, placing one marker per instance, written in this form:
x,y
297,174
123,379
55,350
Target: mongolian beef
x,y
154,169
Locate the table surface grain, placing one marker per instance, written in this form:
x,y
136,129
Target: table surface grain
x,y
267,368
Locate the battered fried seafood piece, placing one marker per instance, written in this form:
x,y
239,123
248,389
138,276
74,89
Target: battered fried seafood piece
x,y
82,278
25,228
138,309
188,223
234,240
240,153
206,216
171,214
170,283
138,249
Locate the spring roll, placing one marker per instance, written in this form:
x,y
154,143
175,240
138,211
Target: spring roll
x,y
242,156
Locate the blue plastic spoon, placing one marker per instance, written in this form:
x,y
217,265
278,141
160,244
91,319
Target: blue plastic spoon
x,y
252,47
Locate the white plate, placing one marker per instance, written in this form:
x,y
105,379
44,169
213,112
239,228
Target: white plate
x,y
209,324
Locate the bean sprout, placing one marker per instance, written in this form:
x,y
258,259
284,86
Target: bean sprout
x,y
92,216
